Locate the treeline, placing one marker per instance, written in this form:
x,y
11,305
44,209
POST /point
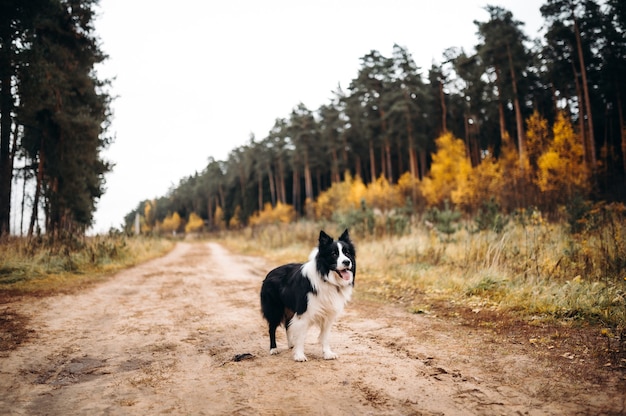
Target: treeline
x,y
538,124
54,113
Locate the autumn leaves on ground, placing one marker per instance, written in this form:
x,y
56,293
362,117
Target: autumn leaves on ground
x,y
182,334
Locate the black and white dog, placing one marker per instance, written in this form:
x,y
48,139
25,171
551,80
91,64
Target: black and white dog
x,y
300,295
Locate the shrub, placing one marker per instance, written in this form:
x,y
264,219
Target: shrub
x,y
281,213
489,217
360,221
171,223
194,224
445,221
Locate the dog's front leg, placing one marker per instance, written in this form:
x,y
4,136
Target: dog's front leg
x,y
297,333
323,339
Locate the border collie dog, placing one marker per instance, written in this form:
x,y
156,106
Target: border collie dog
x,y
300,295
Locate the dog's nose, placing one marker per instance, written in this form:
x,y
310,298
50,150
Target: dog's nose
x,y
346,263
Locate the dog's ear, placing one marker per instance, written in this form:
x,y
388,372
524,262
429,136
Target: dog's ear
x,y
325,239
345,236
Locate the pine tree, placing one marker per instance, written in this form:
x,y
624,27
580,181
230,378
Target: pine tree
x,y
64,113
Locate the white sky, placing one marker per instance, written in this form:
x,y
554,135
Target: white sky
x,y
194,79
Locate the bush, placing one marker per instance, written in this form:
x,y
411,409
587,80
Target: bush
x,y
361,221
489,217
194,224
445,221
281,213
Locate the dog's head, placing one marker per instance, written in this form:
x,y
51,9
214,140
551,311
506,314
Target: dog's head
x,y
336,260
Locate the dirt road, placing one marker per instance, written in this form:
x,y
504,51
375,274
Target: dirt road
x,y
183,335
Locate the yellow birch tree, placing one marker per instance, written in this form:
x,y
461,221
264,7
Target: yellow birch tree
x,y
562,171
194,224
171,223
450,169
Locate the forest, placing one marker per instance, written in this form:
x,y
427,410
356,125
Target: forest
x,y
515,123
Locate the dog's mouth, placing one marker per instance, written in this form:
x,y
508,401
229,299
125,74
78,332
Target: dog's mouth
x,y
345,274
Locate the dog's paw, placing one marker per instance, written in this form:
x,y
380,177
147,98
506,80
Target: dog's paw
x,y
329,355
300,357
273,351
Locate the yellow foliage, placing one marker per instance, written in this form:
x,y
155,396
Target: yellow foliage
x,y
357,191
449,169
349,195
171,223
382,195
537,137
482,183
561,169
341,195
194,224
281,213
235,222
408,184
218,218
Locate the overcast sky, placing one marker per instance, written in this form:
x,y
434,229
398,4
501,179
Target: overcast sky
x,y
193,79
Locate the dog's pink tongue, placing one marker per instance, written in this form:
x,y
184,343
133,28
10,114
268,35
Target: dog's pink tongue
x,y
345,274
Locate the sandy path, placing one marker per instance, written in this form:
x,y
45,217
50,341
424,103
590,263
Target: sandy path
x,y
161,338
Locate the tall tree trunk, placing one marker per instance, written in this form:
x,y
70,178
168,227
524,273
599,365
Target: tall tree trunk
x,y
411,147
422,157
622,129
444,110
40,169
308,180
372,161
383,164
387,170
318,175
222,199
521,142
502,122
583,72
6,108
270,178
467,134
335,167
281,187
296,190
410,138
400,165
581,116
23,204
388,160
358,166
260,191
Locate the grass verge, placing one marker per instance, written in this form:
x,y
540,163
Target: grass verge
x,y
539,272
30,266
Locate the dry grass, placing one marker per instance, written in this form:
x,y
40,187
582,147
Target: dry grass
x,y
537,270
31,266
